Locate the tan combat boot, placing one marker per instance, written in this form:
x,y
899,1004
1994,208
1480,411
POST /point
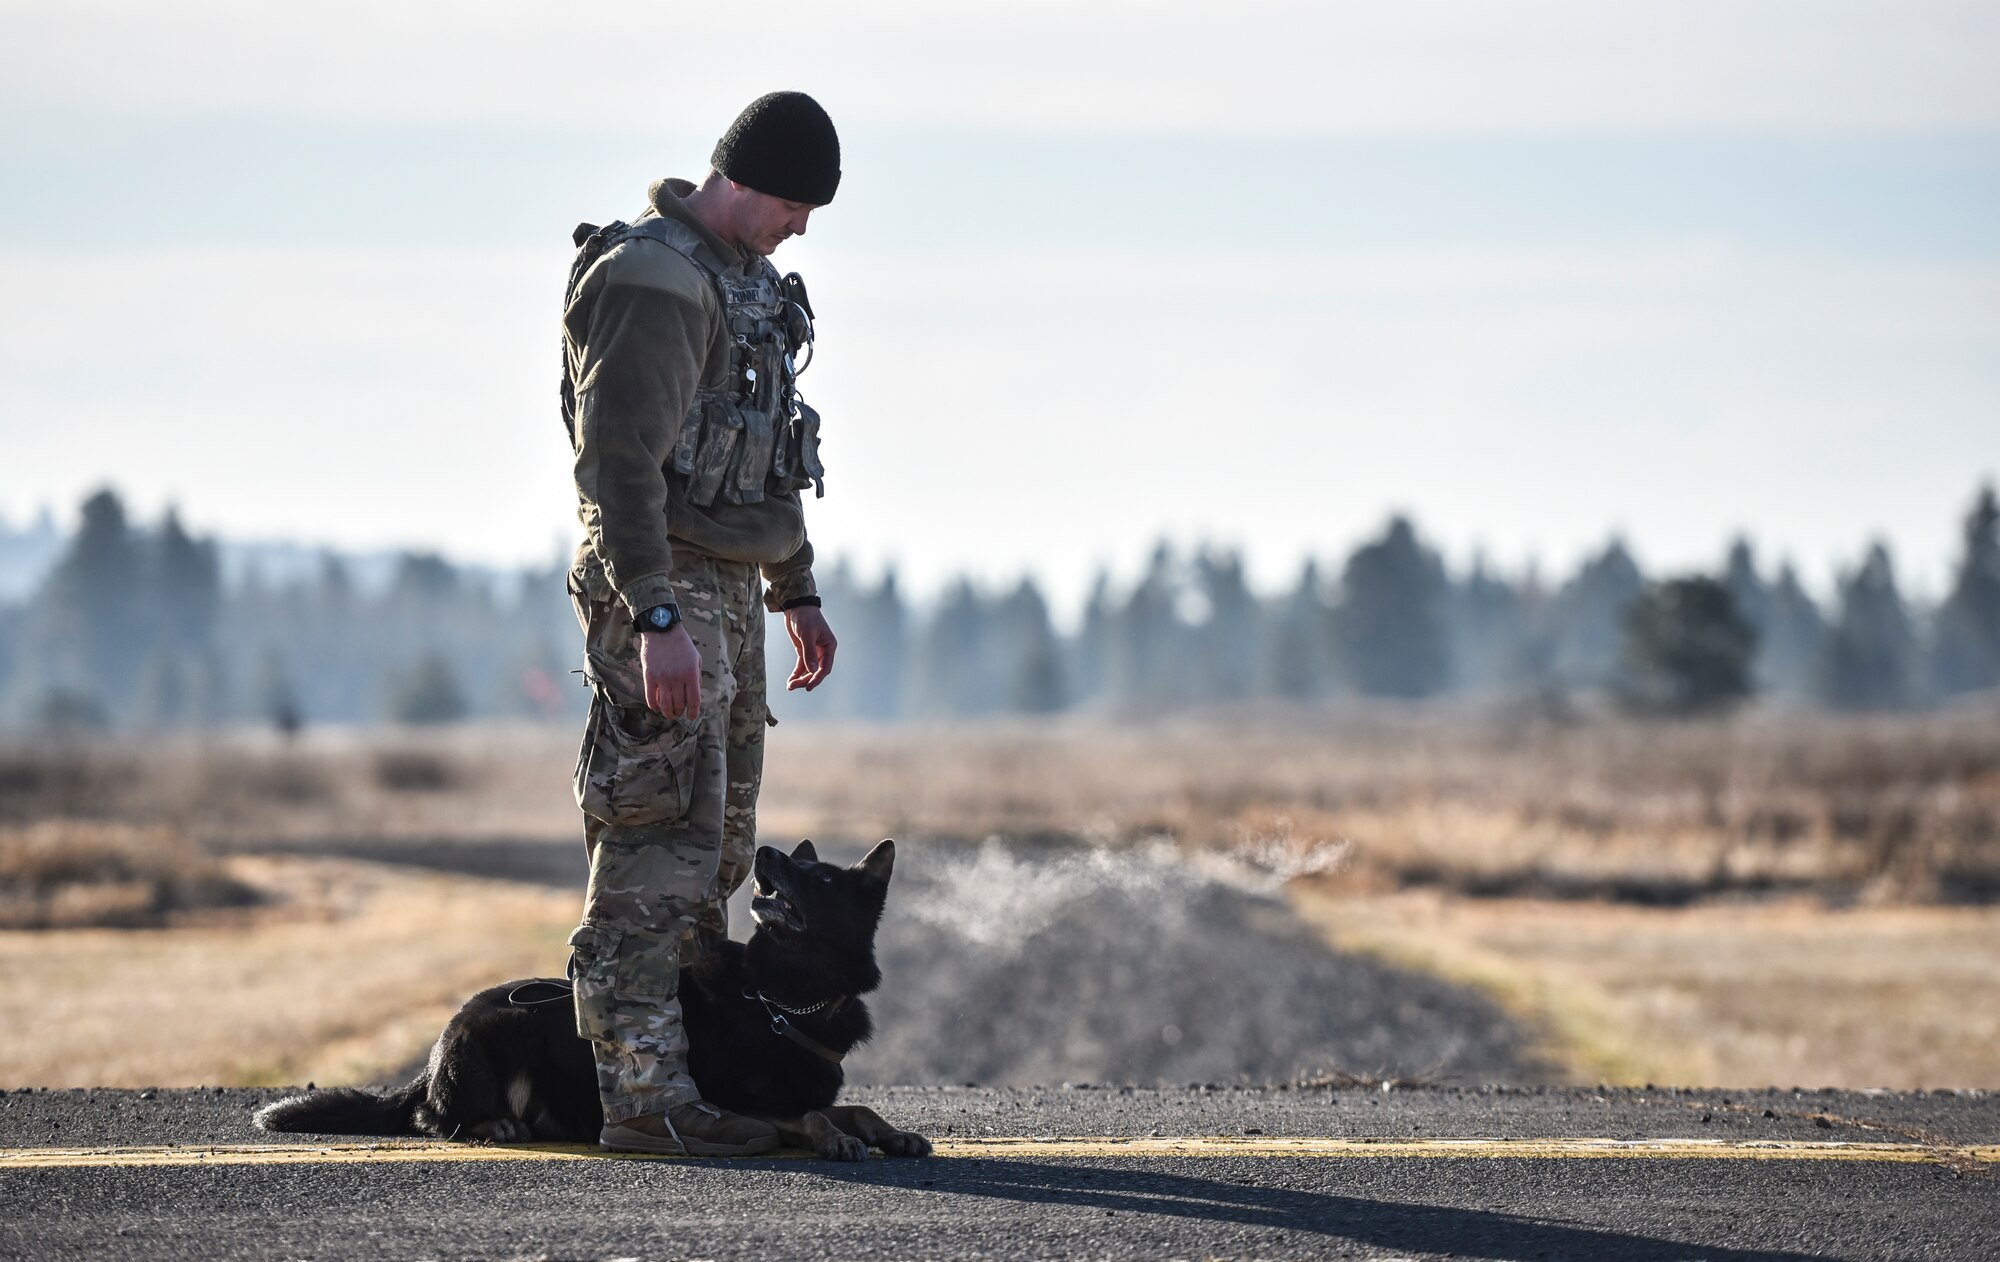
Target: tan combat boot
x,y
693,1129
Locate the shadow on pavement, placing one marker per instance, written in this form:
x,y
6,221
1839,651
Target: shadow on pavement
x,y
1472,1233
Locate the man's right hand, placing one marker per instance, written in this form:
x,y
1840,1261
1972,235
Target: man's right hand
x,y
672,666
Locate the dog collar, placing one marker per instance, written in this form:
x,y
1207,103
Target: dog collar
x,y
835,1004
783,1028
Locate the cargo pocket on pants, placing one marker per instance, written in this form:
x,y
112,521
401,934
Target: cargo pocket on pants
x,y
593,964
635,766
613,969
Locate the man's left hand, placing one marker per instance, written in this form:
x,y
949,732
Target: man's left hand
x,y
815,643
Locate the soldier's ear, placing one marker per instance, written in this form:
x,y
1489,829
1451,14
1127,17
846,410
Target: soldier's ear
x,y
881,861
804,852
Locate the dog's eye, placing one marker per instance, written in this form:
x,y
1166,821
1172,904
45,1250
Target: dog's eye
x,y
826,878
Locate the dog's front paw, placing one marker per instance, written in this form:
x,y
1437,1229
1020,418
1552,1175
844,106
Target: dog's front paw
x,y
906,1144
843,1148
503,1130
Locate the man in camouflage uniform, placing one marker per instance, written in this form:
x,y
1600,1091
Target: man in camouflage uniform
x,y
691,448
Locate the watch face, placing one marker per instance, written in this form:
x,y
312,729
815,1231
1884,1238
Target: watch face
x,y
661,617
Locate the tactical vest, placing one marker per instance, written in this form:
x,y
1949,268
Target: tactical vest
x,y
752,436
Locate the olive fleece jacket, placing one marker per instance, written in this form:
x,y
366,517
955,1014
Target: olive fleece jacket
x,y
644,331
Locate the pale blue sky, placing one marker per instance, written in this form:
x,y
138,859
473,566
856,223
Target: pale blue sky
x,y
1097,272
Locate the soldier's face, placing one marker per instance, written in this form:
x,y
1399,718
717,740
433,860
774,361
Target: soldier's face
x,y
767,222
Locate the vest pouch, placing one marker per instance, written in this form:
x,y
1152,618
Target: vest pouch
x,y
799,467
753,458
782,459
767,356
798,327
721,431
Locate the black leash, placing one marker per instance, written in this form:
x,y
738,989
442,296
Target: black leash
x,y
564,991
780,1023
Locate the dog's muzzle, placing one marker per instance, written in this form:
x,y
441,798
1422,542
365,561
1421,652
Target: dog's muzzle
x,y
770,907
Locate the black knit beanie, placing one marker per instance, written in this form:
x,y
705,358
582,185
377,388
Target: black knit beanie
x,y
782,144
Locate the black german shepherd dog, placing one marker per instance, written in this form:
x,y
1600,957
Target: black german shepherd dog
x,y
768,1023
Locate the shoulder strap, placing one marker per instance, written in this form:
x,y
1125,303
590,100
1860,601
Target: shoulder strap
x,y
660,229
704,259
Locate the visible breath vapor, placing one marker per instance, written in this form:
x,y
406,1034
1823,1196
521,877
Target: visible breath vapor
x,y
998,897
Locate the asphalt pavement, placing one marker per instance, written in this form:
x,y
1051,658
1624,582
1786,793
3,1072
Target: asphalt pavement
x,y
1765,1175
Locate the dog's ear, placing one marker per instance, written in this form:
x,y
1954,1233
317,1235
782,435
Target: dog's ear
x,y
880,861
804,852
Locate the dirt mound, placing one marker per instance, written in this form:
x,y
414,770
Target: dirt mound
x,y
1017,964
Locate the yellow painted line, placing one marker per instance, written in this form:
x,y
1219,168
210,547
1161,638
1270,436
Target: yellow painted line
x,y
1309,1146
1022,1147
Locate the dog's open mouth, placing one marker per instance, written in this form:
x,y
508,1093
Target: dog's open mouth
x,y
769,906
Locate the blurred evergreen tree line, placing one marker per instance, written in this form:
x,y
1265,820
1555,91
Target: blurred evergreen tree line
x,y
1392,621
135,628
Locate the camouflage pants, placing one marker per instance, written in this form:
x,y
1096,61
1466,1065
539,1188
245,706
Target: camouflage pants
x,y
669,821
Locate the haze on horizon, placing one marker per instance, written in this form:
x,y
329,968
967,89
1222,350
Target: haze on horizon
x,y
1098,272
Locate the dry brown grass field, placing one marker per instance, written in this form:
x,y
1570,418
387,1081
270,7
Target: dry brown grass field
x,y
1760,900
1784,993
343,972
1875,810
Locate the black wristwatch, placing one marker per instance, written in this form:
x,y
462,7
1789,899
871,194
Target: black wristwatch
x,y
660,618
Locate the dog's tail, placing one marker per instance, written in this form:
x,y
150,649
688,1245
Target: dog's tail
x,y
347,1111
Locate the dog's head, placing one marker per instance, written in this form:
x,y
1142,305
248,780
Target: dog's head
x,y
823,913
